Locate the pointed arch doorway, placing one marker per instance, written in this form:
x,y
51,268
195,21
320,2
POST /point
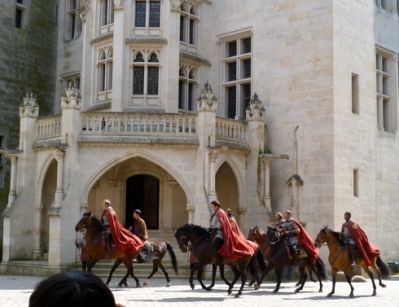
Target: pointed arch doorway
x,y
142,192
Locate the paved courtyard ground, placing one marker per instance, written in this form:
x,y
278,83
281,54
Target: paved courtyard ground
x,y
15,291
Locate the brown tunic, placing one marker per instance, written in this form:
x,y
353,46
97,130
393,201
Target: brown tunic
x,y
140,229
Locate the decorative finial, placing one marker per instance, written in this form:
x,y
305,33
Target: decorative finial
x,y
255,109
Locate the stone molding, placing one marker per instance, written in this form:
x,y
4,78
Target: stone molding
x,y
29,107
118,4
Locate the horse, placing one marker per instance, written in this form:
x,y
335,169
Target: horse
x,y
340,261
159,249
276,256
95,247
202,248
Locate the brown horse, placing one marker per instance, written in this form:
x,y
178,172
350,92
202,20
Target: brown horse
x,y
202,248
276,257
95,246
340,261
159,249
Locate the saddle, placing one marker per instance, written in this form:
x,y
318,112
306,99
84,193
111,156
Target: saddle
x,y
301,253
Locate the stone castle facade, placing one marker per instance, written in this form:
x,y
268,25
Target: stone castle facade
x,y
167,104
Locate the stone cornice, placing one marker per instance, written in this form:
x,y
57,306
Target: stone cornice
x,y
122,141
273,157
196,59
99,106
54,144
146,41
102,38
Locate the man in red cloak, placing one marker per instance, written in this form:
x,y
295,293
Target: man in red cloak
x,y
355,236
297,233
123,239
228,242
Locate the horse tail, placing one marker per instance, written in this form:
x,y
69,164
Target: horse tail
x,y
172,257
385,271
321,268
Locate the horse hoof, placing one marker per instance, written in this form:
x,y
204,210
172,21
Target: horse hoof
x,y
168,284
374,293
383,285
256,287
208,288
275,290
192,287
237,295
329,294
351,294
297,290
145,284
229,292
138,285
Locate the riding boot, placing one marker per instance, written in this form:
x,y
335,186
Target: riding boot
x,y
108,245
217,244
294,252
351,252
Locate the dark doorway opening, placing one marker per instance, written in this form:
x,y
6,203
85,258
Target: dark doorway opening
x,y
142,192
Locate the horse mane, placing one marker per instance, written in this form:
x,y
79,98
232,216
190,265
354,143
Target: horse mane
x,y
200,231
337,235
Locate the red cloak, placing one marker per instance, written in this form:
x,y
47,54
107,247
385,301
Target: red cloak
x,y
306,241
235,245
367,250
122,238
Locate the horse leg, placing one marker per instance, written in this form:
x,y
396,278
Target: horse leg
x,y
267,270
236,274
313,269
377,269
84,266
304,276
214,268
199,277
243,275
131,271
114,267
221,268
349,280
154,270
372,279
193,268
334,280
165,273
279,272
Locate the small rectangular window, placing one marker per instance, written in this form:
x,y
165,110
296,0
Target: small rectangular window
x,y
155,14
138,80
153,78
191,34
385,114
190,106
232,48
18,18
246,68
246,45
231,102
182,27
246,97
232,71
355,93
140,14
181,94
356,182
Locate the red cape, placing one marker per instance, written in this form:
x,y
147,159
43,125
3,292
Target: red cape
x,y
122,238
367,250
235,245
306,241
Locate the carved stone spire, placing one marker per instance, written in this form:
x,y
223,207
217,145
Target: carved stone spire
x,y
255,110
207,100
29,106
71,99
84,8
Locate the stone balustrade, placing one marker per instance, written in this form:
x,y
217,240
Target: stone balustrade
x,y
140,124
49,127
230,130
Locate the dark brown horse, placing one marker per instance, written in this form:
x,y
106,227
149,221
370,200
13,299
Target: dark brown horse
x,y
340,261
202,248
95,246
277,257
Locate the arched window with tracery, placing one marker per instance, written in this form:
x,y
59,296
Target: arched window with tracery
x,y
189,24
104,73
145,72
187,87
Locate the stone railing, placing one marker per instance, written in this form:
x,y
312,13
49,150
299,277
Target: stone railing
x,y
139,124
49,127
230,130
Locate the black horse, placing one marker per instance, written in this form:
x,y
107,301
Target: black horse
x,y
202,248
278,258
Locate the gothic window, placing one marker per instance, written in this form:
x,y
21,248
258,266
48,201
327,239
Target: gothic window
x,y
145,73
106,12
187,87
188,24
147,13
386,102
73,26
20,14
104,73
237,66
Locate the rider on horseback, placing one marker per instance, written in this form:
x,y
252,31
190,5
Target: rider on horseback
x,y
215,226
290,230
349,242
279,220
106,231
139,228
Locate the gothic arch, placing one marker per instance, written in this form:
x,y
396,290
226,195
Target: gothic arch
x,y
238,177
41,177
121,158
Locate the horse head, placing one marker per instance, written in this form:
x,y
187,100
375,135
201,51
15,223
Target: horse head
x,y
272,234
182,239
322,236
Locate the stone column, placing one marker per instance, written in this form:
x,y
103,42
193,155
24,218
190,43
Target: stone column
x,y
37,250
59,191
85,74
118,66
266,179
13,180
241,218
212,172
191,212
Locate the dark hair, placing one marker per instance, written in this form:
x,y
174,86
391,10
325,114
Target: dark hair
x,y
215,203
77,289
